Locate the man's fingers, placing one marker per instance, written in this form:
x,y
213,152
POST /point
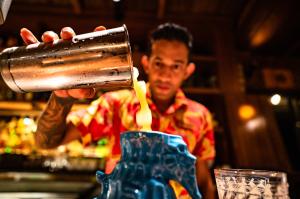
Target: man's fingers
x,y
99,28
49,36
82,93
27,36
67,33
76,93
61,93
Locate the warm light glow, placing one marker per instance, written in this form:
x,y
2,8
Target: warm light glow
x,y
264,32
255,124
275,99
258,39
27,121
61,148
247,111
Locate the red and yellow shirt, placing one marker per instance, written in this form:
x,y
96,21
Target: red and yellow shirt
x,y
115,112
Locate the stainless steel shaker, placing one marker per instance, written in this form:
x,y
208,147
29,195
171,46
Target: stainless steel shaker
x,y
97,59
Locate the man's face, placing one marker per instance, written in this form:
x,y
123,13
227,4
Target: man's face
x,y
167,67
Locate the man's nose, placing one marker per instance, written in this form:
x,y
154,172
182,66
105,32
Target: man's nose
x,y
166,72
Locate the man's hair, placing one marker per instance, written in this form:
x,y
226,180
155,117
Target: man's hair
x,y
171,32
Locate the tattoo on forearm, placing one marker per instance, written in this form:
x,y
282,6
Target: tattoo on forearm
x,y
51,126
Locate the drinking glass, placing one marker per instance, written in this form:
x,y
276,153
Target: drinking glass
x,y
251,184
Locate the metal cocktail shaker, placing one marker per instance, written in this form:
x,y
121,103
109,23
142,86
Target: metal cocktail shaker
x,y
98,59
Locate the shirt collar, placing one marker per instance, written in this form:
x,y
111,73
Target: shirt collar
x,y
180,100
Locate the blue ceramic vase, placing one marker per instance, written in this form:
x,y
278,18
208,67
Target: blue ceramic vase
x,y
148,162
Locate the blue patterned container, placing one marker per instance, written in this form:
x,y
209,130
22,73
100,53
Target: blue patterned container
x,y
149,161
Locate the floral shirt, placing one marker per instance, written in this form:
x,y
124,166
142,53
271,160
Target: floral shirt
x,y
114,113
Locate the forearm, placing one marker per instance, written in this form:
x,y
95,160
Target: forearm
x,y
51,127
204,180
208,190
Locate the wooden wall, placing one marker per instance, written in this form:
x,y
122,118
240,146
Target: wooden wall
x,y
260,147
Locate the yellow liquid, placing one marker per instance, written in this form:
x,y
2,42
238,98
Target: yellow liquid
x,y
143,116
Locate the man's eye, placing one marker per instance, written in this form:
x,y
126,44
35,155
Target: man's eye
x,y
176,67
158,64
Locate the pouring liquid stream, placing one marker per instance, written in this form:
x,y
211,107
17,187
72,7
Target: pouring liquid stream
x,y
143,116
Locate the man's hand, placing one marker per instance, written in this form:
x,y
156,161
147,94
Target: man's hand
x,y
52,129
66,34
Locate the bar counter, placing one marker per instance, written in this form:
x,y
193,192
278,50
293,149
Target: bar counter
x,y
36,185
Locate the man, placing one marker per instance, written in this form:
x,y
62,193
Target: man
x,y
167,66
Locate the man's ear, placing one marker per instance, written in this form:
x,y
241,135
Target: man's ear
x,y
145,63
189,70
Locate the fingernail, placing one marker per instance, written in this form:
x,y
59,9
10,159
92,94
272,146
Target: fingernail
x,y
49,36
27,36
99,28
32,39
67,29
